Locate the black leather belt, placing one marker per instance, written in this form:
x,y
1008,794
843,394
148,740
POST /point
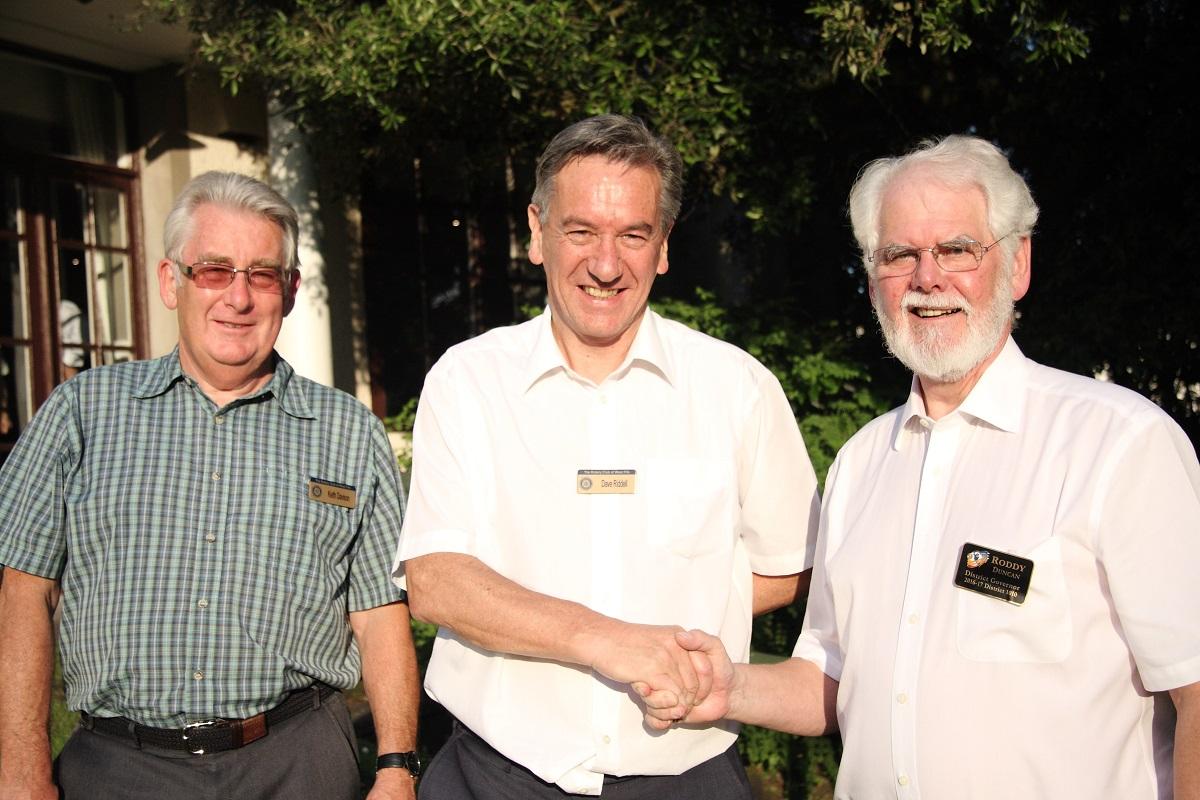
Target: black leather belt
x,y
211,735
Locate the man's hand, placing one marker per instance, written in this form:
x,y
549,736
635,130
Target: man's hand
x,y
649,659
393,783
716,676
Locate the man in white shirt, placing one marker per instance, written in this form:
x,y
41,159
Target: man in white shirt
x,y
583,485
1004,601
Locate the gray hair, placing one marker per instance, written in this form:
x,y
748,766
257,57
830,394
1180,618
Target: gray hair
x,y
620,139
236,192
957,161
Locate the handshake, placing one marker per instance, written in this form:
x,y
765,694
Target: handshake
x,y
681,676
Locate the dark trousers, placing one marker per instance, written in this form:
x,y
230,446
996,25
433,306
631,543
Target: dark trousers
x,y
308,757
468,768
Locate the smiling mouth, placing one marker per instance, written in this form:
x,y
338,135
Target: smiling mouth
x,y
930,313
593,291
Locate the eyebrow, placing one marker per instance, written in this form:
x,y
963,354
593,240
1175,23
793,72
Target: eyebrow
x,y
216,258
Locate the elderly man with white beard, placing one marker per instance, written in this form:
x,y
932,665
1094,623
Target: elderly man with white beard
x,y
1004,598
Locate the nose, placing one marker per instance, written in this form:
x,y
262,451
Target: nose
x,y
928,275
605,265
238,295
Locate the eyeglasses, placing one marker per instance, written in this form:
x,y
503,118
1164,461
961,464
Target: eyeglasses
x,y
220,276
960,255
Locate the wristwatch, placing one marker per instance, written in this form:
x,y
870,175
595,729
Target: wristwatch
x,y
408,761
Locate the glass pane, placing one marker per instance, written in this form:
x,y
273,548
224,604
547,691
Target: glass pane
x,y
111,302
73,312
108,209
15,405
48,108
117,356
13,322
10,204
69,208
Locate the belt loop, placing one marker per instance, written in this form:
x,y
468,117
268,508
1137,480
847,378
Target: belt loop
x,y
86,721
133,734
316,696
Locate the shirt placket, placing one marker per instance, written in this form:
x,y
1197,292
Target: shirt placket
x,y
217,436
606,557
942,438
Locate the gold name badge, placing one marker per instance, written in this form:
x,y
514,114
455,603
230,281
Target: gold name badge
x,y
605,481
335,494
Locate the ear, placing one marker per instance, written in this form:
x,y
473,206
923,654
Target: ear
x,y
663,263
289,298
168,290
1022,265
871,290
535,235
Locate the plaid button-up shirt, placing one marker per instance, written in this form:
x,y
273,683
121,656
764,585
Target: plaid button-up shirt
x,y
202,575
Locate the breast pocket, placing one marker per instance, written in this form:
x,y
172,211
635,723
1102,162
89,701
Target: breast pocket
x,y
1037,631
691,505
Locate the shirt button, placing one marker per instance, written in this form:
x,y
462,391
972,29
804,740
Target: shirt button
x,y
902,779
216,476
607,740
901,698
912,619
218,420
198,675
202,604
210,537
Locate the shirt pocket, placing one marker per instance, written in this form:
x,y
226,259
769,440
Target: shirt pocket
x,y
691,505
1039,631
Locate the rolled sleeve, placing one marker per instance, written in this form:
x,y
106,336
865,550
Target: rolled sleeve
x,y
33,483
438,516
777,486
380,529
1146,519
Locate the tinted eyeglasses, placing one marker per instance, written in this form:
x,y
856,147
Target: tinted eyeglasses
x,y
220,276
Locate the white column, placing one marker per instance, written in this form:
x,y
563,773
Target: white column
x,y
306,338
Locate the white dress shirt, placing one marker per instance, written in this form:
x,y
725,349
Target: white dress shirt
x,y
949,694
723,488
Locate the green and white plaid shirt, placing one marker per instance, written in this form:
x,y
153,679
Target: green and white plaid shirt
x,y
200,576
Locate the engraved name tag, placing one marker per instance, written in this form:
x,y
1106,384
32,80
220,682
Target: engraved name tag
x,y
993,573
605,481
336,494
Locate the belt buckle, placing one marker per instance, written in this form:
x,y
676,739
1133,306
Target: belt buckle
x,y
204,723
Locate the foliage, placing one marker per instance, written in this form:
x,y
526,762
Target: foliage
x,y
512,71
859,35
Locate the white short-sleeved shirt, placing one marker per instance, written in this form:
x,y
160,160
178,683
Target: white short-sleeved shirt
x,y
722,488
946,693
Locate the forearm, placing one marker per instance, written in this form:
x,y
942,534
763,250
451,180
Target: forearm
x,y
1187,742
389,674
485,608
27,652
776,591
793,696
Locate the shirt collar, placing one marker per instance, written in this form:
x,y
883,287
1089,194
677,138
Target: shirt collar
x,y
166,372
647,350
998,399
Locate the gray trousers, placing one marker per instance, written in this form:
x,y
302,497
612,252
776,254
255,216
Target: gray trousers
x,y
468,768
308,757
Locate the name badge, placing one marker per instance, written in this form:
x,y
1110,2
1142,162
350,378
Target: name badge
x,y
335,494
605,481
993,573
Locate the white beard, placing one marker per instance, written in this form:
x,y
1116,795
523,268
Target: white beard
x,y
931,355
